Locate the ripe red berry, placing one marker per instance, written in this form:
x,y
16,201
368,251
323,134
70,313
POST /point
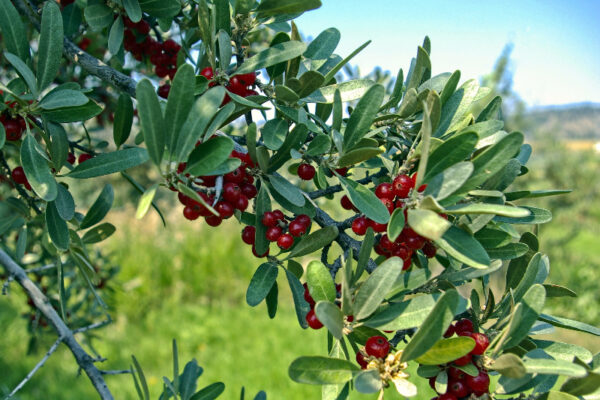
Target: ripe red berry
x,y
307,295
18,175
415,242
377,227
285,241
360,225
429,250
447,396
306,171
213,220
479,384
389,204
235,176
402,251
231,192
273,233
313,321
385,191
279,215
249,190
456,374
71,158
481,343
247,79
407,264
241,203
458,388
249,234
303,219
207,73
236,86
224,209
402,185
377,346
463,325
297,228
342,171
462,361
171,46
360,359
163,91
346,203
269,219
386,243
266,253
190,213
449,332
13,130
84,157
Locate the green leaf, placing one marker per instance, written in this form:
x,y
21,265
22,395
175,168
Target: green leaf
x,y
109,163
261,283
447,350
422,64
349,91
331,316
510,196
469,273
151,119
320,283
396,224
133,10
427,223
161,8
570,324
285,94
553,367
537,216
263,204
363,115
99,209
364,255
331,74
434,327
508,251
558,291
524,316
463,247
24,72
484,208
449,180
368,381
375,289
582,386
98,233
274,133
323,45
457,105
564,351
268,8
509,365
358,155
73,114
319,370
271,300
405,315
179,104
207,156
365,200
301,306
50,46
210,392
2,136
146,201
14,35
224,41
57,227
123,119
315,241
319,145
63,99
36,169
98,16
273,55
115,37
287,190
65,205
58,146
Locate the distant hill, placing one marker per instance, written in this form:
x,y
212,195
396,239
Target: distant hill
x,y
579,121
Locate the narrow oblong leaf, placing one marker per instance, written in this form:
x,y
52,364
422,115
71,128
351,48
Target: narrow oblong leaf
x,y
405,315
509,365
123,119
376,287
331,316
14,36
274,7
301,306
365,200
427,223
109,163
463,247
179,104
320,283
323,45
133,10
151,119
315,241
447,350
210,392
65,205
146,201
207,156
319,370
115,36
291,192
57,227
99,233
23,70
36,169
273,55
261,283
100,208
363,115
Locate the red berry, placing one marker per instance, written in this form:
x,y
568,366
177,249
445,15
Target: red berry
x,y
385,191
269,219
266,253
241,203
297,228
235,176
171,46
224,209
402,185
190,213
163,91
389,204
479,383
464,325
285,241
279,215
249,234
481,343
346,203
213,220
247,79
377,346
432,382
360,359
207,73
377,227
231,192
402,251
307,296
306,171
456,374
313,321
429,250
449,332
462,361
71,158
84,157
447,396
18,175
142,27
415,242
303,219
458,388
183,199
360,225
342,171
236,86
273,233
407,264
13,130
249,190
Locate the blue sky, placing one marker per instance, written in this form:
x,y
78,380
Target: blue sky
x,y
556,56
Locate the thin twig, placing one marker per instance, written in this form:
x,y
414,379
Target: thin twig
x,y
40,269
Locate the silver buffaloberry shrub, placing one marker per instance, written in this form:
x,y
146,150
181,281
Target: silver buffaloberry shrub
x,y
239,118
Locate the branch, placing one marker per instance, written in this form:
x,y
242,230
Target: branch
x,y
338,188
65,335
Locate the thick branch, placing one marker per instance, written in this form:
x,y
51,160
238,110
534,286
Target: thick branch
x,y
84,360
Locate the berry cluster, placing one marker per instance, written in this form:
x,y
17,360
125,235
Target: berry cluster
x,y
376,347
280,229
238,188
393,195
461,384
13,126
242,85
